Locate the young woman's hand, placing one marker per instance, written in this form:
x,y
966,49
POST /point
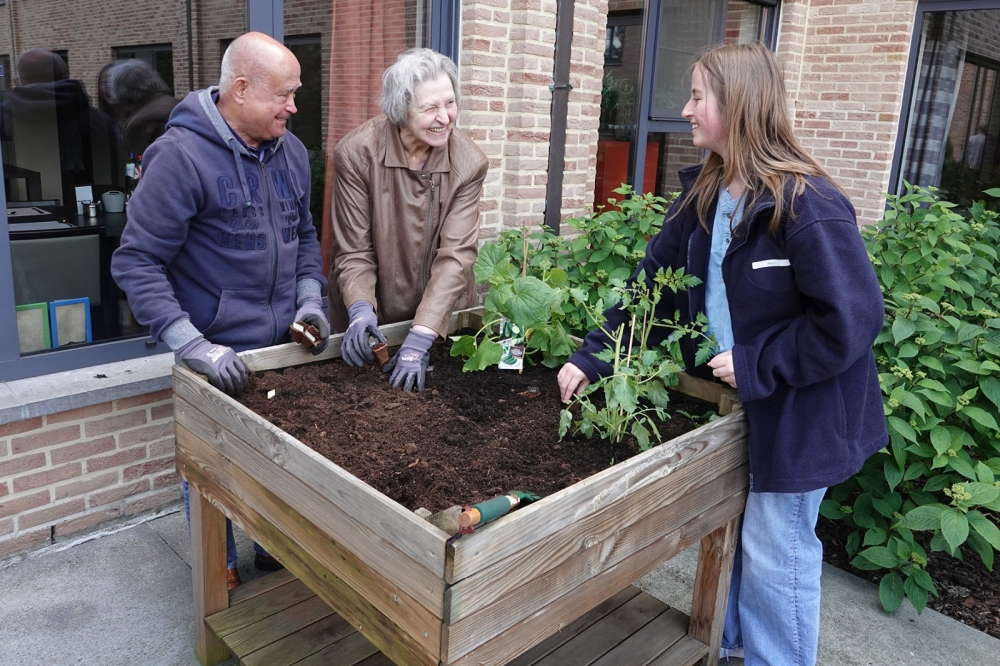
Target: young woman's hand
x,y
722,367
572,381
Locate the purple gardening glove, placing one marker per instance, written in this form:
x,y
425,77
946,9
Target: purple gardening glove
x,y
311,312
409,365
355,349
224,369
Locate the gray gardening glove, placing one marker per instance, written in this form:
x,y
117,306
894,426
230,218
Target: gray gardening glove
x,y
409,365
355,348
311,312
224,369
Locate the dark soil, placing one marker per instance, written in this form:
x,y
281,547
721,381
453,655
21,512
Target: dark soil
x,y
967,591
468,437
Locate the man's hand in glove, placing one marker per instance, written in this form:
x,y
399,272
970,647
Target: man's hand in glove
x,y
311,312
409,365
224,369
355,349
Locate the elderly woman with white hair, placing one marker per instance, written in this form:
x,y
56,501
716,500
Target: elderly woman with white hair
x,y
406,217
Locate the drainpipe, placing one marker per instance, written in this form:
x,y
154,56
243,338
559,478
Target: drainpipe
x,y
560,101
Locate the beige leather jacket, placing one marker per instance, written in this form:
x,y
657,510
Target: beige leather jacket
x,y
405,241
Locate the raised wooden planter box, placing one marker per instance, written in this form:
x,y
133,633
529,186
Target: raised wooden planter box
x,y
487,597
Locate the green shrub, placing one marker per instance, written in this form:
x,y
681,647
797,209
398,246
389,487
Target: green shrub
x,y
937,358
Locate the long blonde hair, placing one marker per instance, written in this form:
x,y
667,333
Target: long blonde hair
x,y
762,150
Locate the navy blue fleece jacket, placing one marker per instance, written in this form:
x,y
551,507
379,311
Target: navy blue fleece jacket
x,y
217,236
806,308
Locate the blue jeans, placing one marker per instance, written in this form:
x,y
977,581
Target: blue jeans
x,y
230,539
773,611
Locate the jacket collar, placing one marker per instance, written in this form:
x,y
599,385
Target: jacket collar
x,y
438,159
760,203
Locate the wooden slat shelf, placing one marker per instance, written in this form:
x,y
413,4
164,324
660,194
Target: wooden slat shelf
x,y
277,621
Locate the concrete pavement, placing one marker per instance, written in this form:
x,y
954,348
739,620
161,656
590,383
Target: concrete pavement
x,y
125,599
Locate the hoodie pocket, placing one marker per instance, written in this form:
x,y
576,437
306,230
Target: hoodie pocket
x,y
241,319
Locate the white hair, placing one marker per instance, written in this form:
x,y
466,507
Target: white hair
x,y
412,68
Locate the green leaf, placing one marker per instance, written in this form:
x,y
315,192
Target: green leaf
x,y
940,439
984,528
982,493
831,509
641,435
982,548
657,394
565,422
902,328
881,556
916,594
875,536
624,393
954,527
890,591
527,302
488,354
893,474
902,427
923,518
464,345
980,416
558,278
493,260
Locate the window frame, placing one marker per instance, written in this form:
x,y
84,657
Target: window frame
x,y
923,7
647,125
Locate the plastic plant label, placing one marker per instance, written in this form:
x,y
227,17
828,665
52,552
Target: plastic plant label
x,y
512,343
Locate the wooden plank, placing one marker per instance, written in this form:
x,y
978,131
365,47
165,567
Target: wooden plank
x,y
704,389
538,521
347,652
208,575
359,551
258,586
711,585
235,618
465,648
564,635
369,511
648,642
257,510
536,593
286,355
689,491
278,625
377,660
305,641
607,633
685,652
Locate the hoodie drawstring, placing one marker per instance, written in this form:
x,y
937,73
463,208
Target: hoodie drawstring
x,y
234,144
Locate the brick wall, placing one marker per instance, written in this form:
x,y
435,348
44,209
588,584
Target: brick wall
x,y
507,59
845,62
70,471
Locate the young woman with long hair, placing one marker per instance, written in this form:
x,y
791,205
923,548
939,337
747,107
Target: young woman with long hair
x,y
794,306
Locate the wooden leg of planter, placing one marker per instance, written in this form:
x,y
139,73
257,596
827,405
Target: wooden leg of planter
x,y
711,588
208,572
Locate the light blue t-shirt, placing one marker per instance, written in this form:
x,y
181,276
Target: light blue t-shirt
x,y
728,214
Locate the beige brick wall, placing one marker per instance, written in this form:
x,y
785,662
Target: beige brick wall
x,y
846,64
70,471
507,52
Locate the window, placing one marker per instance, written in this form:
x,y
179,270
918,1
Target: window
x,y
56,155
643,138
159,56
952,136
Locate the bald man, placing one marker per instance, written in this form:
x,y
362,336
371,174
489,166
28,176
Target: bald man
x,y
220,254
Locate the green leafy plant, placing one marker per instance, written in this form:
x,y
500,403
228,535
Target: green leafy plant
x,y
937,358
607,245
634,395
532,303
